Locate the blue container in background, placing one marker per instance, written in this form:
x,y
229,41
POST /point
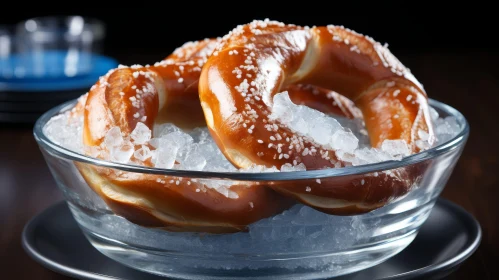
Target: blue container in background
x,y
53,53
45,61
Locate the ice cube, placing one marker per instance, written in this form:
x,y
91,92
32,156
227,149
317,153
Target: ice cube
x,y
143,153
179,137
446,129
448,125
165,154
254,168
155,142
141,134
365,156
200,135
93,151
113,138
300,126
344,140
290,168
66,131
194,161
123,152
164,129
322,129
396,148
164,157
281,108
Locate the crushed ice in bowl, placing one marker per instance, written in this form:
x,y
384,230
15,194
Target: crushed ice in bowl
x,y
168,146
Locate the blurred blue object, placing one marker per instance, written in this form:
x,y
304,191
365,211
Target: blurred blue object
x,y
52,54
50,71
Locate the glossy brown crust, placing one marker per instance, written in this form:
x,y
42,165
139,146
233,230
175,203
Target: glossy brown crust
x,y
165,92
354,194
128,95
258,60
181,204
239,76
180,71
150,94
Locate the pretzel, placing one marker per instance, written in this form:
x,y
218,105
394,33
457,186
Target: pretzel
x,y
167,92
150,95
330,69
256,61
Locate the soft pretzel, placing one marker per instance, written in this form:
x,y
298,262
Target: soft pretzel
x,y
153,95
148,94
230,84
167,92
270,56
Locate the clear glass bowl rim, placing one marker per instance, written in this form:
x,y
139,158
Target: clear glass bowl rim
x,y
45,143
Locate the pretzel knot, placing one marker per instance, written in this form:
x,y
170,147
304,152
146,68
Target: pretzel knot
x,y
244,87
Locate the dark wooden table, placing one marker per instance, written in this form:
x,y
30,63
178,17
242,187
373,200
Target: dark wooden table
x,y
468,81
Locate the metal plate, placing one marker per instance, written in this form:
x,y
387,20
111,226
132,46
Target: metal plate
x,y
448,237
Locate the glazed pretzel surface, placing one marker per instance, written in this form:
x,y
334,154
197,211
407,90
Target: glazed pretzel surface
x,y
225,82
167,92
256,61
150,95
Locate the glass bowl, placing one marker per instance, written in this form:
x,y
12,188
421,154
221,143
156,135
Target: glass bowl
x,y
298,243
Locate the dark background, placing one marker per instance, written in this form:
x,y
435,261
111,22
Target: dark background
x,y
408,27
451,49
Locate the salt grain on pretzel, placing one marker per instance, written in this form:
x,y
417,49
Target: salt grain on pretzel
x,y
241,75
276,55
128,98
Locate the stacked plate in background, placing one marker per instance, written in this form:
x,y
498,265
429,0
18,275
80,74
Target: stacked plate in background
x,y
47,61
23,98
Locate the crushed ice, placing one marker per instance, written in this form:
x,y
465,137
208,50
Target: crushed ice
x,y
168,146
345,138
323,129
